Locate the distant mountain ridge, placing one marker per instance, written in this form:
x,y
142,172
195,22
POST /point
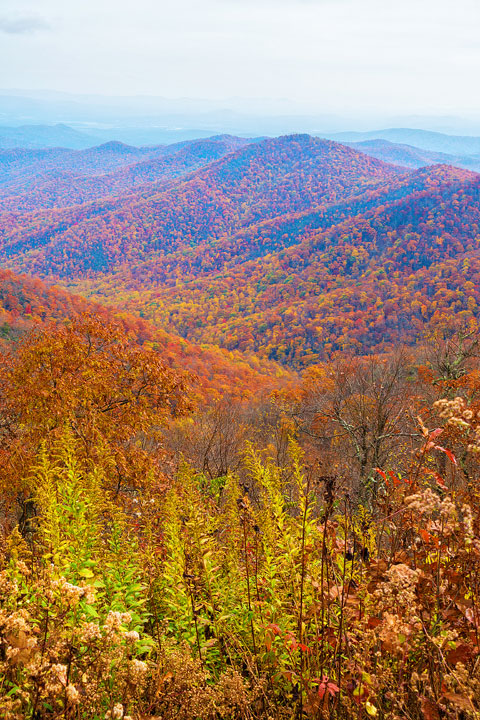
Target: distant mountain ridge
x,y
413,157
43,136
424,139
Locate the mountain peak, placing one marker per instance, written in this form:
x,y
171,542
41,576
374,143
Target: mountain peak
x,y
114,146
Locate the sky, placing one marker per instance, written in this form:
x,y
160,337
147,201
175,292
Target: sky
x,y
393,56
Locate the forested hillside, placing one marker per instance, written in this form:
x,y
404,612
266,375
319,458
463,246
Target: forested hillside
x,y
28,305
366,283
261,181
36,180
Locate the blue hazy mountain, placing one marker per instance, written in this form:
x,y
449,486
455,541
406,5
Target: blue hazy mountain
x,y
424,139
43,136
413,157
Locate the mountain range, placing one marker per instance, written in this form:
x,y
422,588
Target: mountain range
x,y
53,178
424,139
414,157
258,182
43,136
289,248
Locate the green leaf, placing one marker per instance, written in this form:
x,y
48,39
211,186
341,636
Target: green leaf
x,y
89,610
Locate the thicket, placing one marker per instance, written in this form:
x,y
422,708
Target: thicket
x,y
258,584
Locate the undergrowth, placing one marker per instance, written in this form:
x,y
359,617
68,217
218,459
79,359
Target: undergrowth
x,y
280,598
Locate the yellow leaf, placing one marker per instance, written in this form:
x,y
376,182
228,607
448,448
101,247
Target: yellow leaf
x,y
86,573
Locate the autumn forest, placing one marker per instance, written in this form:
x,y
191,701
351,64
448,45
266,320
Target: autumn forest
x,y
239,433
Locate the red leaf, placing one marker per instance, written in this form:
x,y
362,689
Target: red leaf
x,y
383,474
332,688
440,481
327,686
448,453
396,481
275,629
426,537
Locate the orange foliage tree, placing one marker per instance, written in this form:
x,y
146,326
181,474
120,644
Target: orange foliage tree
x,y
112,394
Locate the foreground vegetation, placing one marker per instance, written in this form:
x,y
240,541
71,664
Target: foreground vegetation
x,y
317,555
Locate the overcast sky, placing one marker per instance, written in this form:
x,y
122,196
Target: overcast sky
x,y
391,55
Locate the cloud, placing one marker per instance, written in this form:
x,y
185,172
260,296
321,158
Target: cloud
x,y
22,25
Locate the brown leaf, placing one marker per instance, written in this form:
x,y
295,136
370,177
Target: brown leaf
x,y
462,653
429,709
460,701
